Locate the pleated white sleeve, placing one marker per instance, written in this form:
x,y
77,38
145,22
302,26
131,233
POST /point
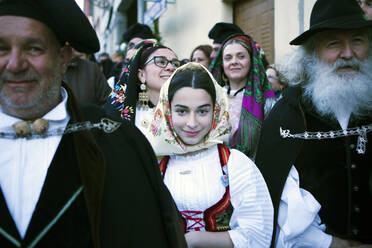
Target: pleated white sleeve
x,y
299,224
252,219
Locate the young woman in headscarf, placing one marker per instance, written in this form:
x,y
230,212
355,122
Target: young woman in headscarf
x,y
137,92
222,196
239,66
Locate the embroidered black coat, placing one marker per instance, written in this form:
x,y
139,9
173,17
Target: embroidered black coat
x,y
101,190
330,169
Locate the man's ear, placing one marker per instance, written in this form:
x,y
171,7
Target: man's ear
x,y
66,55
141,75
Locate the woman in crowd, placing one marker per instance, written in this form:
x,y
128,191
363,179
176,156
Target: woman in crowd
x,y
276,81
133,98
239,66
220,193
201,54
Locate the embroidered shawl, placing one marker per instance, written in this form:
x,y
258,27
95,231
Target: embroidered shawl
x,y
256,91
161,133
122,101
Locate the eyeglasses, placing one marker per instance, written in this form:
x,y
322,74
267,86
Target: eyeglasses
x,y
163,62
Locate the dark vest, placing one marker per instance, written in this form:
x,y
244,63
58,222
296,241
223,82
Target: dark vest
x,y
339,178
60,218
216,217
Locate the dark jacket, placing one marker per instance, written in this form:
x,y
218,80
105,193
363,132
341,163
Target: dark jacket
x,y
87,81
101,190
330,169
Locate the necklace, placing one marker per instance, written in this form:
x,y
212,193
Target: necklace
x,y
237,92
107,125
360,131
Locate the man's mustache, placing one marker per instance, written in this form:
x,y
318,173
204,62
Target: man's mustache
x,y
28,76
342,63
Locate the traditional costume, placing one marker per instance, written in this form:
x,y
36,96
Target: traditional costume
x,y
318,170
215,188
249,105
76,178
124,102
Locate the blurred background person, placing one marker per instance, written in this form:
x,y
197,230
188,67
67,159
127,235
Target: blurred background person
x,y
103,56
106,65
276,80
249,91
220,32
202,55
366,6
117,57
86,80
137,33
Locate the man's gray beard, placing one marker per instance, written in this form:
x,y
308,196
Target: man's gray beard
x,y
52,92
336,93
332,93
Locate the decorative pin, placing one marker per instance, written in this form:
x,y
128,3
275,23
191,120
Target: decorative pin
x,y
40,126
22,129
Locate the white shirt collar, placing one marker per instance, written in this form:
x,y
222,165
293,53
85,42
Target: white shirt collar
x,y
57,114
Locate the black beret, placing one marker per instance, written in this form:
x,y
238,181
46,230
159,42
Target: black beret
x,y
63,17
222,30
138,30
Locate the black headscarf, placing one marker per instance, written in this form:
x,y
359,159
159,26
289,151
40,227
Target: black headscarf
x,y
122,101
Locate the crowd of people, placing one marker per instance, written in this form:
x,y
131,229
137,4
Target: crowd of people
x,y
221,149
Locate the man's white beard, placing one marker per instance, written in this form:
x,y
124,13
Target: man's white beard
x,y
336,94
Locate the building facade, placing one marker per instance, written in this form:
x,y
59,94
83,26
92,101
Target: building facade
x,y
185,23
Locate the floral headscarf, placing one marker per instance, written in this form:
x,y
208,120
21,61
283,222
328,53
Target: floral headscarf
x,y
256,91
162,135
122,101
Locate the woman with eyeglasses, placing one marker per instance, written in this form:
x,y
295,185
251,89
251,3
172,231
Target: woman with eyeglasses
x,y
239,66
137,92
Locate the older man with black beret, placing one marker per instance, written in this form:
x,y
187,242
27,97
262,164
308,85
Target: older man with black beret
x,y
137,33
314,152
220,32
69,177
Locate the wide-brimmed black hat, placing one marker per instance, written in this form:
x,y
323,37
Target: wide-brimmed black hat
x,y
333,14
63,17
223,30
138,30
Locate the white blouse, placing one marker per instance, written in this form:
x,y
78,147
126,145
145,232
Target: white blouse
x,y
235,107
143,118
195,184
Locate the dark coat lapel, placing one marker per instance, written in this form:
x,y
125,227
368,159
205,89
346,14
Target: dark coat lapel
x,y
6,221
61,182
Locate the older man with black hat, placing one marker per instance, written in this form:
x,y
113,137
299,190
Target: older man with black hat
x,y
314,153
69,177
220,32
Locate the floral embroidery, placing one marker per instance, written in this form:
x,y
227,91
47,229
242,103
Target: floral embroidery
x,y
155,125
118,96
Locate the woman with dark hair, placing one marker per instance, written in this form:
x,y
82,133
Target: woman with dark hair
x,y
221,195
201,54
137,92
239,67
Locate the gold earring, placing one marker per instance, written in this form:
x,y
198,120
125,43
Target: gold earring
x,y
143,98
